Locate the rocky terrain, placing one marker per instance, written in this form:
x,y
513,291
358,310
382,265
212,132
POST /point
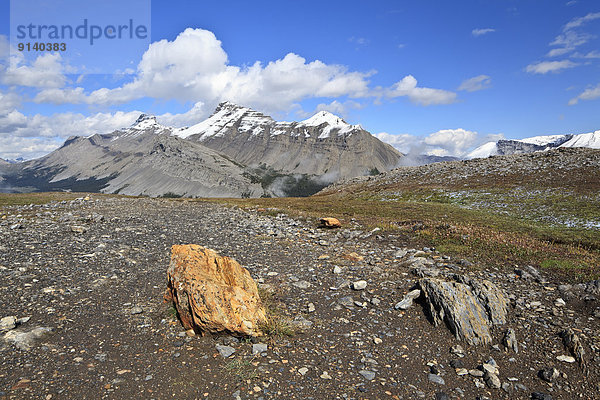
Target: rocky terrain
x,y
83,314
562,167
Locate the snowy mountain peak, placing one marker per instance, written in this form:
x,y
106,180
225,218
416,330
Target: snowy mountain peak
x,y
146,121
323,117
536,143
332,122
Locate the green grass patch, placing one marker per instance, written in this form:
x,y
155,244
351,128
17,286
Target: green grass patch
x,y
278,325
241,368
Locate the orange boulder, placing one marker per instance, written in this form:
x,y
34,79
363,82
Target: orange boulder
x,y
213,293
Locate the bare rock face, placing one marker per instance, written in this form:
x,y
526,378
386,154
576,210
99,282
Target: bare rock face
x,y
468,308
213,293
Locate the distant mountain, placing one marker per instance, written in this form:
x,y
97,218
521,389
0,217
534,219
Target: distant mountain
x,y
237,152
145,159
536,143
323,145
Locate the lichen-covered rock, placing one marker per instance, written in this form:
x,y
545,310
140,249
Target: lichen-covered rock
x,y
468,310
213,293
329,222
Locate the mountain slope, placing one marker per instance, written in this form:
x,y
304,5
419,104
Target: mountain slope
x,y
142,160
321,145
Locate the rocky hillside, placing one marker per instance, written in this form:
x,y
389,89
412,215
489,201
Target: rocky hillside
x,y
321,145
83,314
562,167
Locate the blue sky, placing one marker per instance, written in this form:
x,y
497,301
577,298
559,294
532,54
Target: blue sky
x,y
439,76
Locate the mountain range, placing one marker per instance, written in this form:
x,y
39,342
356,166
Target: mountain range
x,y
236,152
536,143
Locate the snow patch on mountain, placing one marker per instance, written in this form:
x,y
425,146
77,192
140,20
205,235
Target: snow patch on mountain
x,y
227,115
144,123
486,150
332,121
591,140
546,140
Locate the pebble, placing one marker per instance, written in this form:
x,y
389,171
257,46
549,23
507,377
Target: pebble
x,y
136,310
368,375
359,285
436,379
310,307
8,323
559,302
325,375
259,348
225,351
567,359
302,371
337,270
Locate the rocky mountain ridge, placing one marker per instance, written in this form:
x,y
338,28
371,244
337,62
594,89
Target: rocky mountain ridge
x,y
237,152
536,143
321,145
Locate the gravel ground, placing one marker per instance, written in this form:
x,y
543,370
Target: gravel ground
x,y
93,271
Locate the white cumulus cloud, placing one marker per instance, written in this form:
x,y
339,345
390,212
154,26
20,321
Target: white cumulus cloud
x,y
424,96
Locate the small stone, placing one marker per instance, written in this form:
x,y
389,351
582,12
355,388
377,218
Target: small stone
x,y
148,378
559,302
492,380
436,379
78,229
359,285
408,299
225,351
377,340
441,396
310,307
8,323
457,364
78,359
325,375
490,368
476,373
136,310
259,348
337,270
302,371
540,396
368,375
567,359
548,374
347,301
458,350
400,253
301,284
462,371
510,340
